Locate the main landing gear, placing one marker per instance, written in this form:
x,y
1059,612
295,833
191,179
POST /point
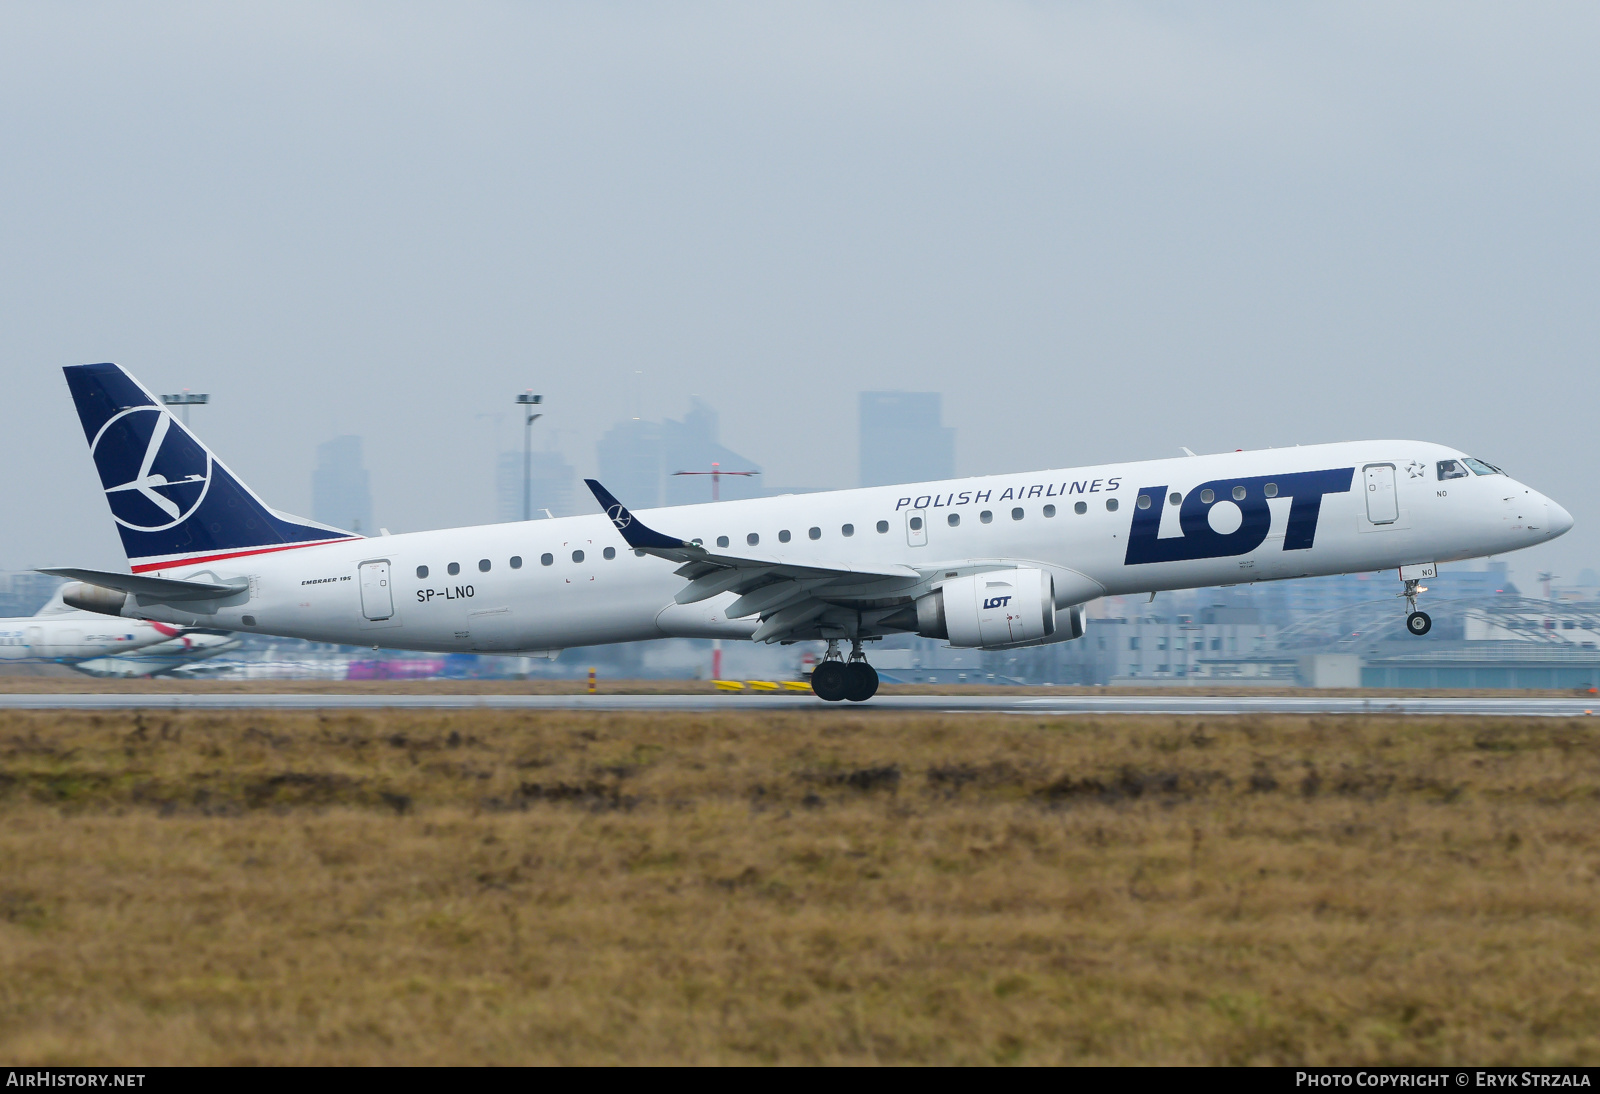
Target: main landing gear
x,y
1418,623
834,678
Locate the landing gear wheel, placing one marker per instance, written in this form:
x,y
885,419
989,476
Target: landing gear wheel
x,y
1418,623
829,681
860,681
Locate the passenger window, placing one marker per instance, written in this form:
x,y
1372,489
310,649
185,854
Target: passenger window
x,y
1174,498
1111,505
546,559
577,556
1016,514
783,536
1272,490
1082,507
516,562
1207,496
847,530
422,571
883,526
953,519
815,533
609,553
986,516
916,524
453,569
752,539
1049,510
1143,503
483,565
722,541
1451,469
1238,493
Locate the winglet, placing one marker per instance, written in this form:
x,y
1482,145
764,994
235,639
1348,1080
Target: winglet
x,y
637,535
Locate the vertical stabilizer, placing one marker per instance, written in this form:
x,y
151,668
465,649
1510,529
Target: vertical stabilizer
x,y
174,502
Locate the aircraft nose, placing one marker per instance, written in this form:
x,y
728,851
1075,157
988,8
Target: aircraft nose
x,y
1559,520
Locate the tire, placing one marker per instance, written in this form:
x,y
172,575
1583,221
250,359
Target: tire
x,y
828,681
1418,623
860,681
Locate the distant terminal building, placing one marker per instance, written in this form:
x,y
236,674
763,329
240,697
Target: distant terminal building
x,y
1342,631
341,490
903,438
637,459
550,486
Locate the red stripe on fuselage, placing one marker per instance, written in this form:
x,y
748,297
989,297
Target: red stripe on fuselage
x,y
147,567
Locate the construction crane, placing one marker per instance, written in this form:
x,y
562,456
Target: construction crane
x,y
716,474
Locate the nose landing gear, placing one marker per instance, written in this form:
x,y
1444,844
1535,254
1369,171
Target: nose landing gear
x,y
1418,623
834,678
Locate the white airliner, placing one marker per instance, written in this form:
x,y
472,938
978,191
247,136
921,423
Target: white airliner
x,y
997,562
185,655
60,634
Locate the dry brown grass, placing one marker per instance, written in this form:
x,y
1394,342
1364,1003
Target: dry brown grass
x,y
819,887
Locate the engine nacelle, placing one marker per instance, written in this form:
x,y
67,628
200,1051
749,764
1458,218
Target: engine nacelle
x,y
94,598
991,610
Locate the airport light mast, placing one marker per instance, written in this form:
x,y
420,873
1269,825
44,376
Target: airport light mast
x,y
528,400
184,400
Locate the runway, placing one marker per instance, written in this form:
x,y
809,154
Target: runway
x,y
931,704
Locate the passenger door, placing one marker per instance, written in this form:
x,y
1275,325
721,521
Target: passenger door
x,y
377,598
1382,505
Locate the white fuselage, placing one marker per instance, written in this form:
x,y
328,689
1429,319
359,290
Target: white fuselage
x,y
68,637
594,589
190,648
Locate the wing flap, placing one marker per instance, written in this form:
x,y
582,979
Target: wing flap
x,y
789,594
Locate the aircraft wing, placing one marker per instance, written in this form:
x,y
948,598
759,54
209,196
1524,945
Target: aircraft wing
x,y
793,596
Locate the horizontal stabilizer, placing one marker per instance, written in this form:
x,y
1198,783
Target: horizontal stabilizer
x,y
154,588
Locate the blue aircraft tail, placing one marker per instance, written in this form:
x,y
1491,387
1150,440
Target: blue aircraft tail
x,y
174,502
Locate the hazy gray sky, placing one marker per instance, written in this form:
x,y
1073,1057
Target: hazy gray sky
x,y
1103,231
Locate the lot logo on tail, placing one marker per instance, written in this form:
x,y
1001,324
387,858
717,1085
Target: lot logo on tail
x,y
155,476
1249,496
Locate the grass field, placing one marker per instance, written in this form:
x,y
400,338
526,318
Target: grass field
x,y
835,886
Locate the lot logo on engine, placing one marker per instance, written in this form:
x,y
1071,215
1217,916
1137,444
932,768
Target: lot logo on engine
x,y
1201,539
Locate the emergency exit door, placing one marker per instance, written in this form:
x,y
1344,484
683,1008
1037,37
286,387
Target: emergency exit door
x,y
377,599
1382,506
917,527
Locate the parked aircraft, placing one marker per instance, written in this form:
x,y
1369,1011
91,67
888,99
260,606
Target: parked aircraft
x,y
995,562
63,635
185,655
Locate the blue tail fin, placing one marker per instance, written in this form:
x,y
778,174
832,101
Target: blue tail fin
x,y
174,502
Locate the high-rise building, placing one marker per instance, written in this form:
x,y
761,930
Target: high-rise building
x,y
550,485
902,439
341,489
25,592
637,460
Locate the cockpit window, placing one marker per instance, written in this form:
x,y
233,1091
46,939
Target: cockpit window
x,y
1481,468
1451,469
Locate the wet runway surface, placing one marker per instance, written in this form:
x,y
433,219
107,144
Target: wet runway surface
x,y
976,704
